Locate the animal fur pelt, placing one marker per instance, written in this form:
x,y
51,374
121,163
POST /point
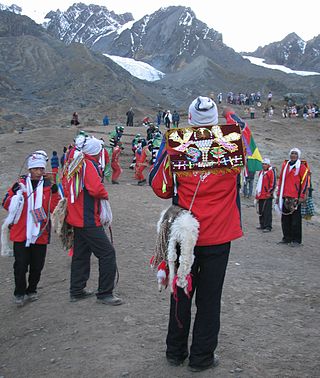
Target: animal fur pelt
x,y
176,226
15,210
58,216
60,226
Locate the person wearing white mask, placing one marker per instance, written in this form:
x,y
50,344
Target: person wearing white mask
x,y
264,195
29,203
291,191
85,216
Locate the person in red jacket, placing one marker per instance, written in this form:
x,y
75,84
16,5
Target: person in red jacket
x,y
143,156
215,207
264,194
30,231
84,214
292,188
115,164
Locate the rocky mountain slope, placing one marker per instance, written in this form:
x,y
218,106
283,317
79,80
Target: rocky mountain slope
x,y
86,24
292,52
43,78
193,55
168,39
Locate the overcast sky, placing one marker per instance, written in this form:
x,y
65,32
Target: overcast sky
x,y
244,24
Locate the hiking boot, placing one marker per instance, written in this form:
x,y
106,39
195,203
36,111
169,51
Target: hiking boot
x,y
111,300
295,244
142,182
114,182
197,369
176,361
283,241
259,228
32,297
19,300
85,294
266,230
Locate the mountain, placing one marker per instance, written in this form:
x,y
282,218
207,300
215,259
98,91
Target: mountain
x,y
11,8
43,79
168,39
86,24
292,52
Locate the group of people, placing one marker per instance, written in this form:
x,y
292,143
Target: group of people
x,y
33,197
308,111
293,190
247,99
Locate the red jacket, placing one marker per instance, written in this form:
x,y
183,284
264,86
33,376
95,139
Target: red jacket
x,y
85,211
143,156
295,186
268,184
215,205
18,231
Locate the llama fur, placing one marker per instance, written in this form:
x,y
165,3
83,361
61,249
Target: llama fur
x,y
181,228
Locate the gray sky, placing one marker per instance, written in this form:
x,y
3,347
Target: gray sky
x,y
244,24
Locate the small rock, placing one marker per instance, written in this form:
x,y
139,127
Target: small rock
x,y
52,360
43,349
124,374
238,370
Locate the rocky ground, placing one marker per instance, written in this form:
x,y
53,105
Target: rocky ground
x,y
271,305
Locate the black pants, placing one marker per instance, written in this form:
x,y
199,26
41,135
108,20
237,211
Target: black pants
x,y
94,240
208,272
292,225
265,213
28,259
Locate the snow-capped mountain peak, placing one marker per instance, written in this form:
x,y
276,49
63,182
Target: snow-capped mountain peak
x,y
11,8
84,23
292,52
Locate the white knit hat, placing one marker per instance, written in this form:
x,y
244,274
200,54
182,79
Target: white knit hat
x,y
266,161
203,111
295,150
92,146
37,159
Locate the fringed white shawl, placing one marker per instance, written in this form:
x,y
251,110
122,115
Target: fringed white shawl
x,y
34,202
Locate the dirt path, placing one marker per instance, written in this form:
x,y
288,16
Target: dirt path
x,y
271,305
